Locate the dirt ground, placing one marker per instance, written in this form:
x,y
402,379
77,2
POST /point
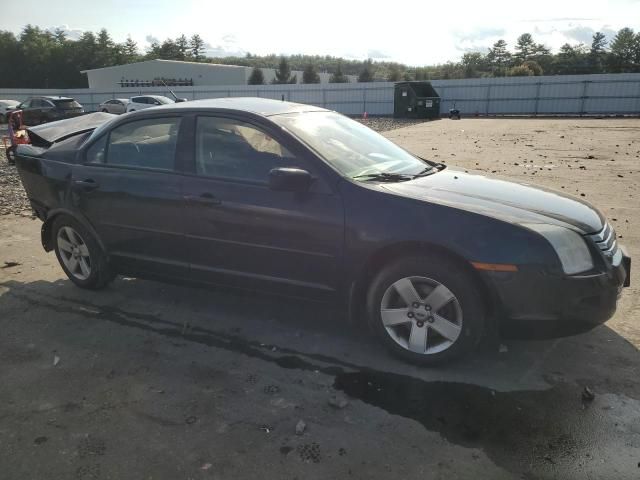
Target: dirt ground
x,y
151,381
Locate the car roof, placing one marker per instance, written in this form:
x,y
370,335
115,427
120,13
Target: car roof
x,y
150,96
52,97
261,106
9,101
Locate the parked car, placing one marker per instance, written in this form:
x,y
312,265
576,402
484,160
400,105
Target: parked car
x,y
38,110
147,101
115,105
302,201
5,107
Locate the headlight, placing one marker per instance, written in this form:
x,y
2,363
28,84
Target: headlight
x,y
569,246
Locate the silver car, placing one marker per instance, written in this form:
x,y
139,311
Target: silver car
x,y
147,101
115,105
5,107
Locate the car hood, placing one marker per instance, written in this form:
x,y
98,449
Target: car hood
x,y
508,201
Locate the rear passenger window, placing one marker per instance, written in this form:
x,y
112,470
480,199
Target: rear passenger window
x,y
234,149
144,144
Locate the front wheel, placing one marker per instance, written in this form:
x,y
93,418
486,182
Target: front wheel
x,y
426,310
79,254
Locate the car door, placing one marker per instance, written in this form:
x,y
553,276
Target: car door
x,y
242,233
128,188
118,107
47,111
27,108
137,103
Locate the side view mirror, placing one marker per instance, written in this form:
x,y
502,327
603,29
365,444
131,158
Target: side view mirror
x,y
289,180
180,100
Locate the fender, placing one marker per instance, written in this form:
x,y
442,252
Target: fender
x,y
46,236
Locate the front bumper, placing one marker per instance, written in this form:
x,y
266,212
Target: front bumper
x,y
531,294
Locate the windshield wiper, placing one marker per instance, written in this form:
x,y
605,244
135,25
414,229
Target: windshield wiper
x,y
427,171
384,177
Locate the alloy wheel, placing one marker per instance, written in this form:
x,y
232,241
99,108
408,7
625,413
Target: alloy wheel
x,y
74,253
421,315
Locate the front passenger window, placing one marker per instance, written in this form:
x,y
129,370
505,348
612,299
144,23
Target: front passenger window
x,y
234,149
144,144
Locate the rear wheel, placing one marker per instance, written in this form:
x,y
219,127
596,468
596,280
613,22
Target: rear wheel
x,y
426,309
11,155
79,254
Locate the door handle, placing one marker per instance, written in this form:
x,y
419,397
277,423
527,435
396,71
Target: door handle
x,y
88,184
205,198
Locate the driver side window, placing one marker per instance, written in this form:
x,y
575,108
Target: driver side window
x,y
144,144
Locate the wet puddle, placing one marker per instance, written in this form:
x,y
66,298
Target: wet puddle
x,y
551,430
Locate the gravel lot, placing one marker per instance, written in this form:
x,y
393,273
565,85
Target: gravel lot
x,y
12,197
148,380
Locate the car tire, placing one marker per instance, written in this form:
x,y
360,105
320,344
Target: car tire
x,y
416,331
80,255
11,155
104,110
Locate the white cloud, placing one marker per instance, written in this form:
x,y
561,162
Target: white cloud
x,y
71,33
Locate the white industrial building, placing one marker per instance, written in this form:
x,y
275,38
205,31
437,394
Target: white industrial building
x,y
187,73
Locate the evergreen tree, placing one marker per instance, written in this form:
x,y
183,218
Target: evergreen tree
x,y
169,50
625,51
283,73
525,47
499,58
182,47
338,76
309,75
597,53
197,47
598,43
367,73
572,59
130,50
105,49
153,51
256,77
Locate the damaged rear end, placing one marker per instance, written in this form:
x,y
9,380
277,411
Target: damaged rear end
x,y
45,164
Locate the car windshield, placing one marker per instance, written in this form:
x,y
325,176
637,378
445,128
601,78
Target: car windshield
x,y
351,148
67,104
164,100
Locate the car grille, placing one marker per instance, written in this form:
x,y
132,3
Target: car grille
x,y
605,240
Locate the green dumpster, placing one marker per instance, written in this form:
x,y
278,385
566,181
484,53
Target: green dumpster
x,y
415,100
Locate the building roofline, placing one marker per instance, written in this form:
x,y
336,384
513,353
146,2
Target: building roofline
x,y
159,60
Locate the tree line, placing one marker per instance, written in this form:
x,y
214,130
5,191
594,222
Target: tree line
x,y
39,58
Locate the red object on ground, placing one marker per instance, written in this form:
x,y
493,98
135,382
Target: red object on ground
x,y
17,134
15,127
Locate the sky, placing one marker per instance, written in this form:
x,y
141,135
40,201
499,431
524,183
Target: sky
x,y
412,32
